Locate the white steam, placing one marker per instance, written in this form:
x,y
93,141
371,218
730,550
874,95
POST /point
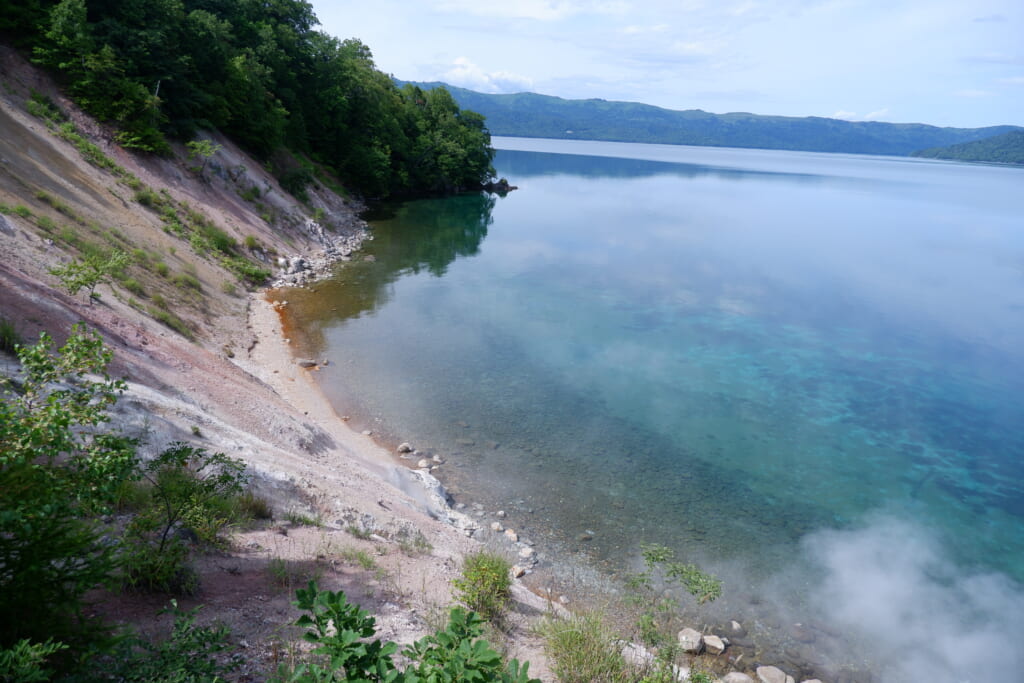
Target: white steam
x,y
924,619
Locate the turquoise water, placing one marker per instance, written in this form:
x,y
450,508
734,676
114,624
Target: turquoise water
x,y
743,354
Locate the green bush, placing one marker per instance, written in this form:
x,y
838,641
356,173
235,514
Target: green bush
x,y
191,490
25,662
192,654
342,631
485,584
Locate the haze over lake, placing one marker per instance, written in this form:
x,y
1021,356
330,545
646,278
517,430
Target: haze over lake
x,y
798,369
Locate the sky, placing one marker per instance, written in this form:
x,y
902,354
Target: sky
x,y
943,62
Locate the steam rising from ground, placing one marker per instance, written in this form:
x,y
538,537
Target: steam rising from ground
x,y
924,618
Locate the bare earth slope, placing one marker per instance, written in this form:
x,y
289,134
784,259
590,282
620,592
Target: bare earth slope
x,y
234,387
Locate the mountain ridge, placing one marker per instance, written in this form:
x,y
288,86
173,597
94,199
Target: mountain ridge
x,y
530,114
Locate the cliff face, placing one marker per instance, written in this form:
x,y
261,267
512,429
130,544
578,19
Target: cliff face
x,y
206,361
193,235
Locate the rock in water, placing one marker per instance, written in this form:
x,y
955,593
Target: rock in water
x,y
691,641
714,645
771,674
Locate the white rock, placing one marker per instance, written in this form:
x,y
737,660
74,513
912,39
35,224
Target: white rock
x,y
691,641
517,571
526,553
772,674
714,645
500,514
737,677
496,526
636,655
404,448
424,463
511,535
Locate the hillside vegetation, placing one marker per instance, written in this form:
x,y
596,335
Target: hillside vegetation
x,y
259,72
543,116
1007,148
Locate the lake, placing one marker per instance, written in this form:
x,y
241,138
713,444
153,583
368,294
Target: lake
x,y
803,371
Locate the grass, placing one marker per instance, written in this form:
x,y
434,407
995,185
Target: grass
x,y
299,519
187,281
9,337
358,557
359,532
583,648
414,544
169,319
251,506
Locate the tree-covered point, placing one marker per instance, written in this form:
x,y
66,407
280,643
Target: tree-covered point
x,y
1001,149
258,71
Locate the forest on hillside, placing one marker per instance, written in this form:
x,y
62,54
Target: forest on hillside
x,y
543,116
259,71
1007,148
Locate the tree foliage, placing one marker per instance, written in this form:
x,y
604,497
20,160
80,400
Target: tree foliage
x,y
259,71
58,466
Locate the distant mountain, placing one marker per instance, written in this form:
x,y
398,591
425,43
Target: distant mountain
x,y
1007,148
543,116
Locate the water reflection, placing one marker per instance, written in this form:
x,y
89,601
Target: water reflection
x,y
416,236
521,164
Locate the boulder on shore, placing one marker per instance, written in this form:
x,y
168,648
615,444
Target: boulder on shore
x,y
691,641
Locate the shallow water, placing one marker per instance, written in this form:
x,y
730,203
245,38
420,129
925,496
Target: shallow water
x,y
733,352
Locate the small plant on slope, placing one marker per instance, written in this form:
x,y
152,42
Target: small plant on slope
x,y
485,584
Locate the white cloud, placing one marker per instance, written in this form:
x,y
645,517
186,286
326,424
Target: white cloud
x,y
1013,80
468,75
854,116
639,30
538,10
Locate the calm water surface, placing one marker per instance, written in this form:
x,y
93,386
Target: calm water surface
x,y
723,350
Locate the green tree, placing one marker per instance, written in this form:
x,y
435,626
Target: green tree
x,y
58,468
202,149
90,272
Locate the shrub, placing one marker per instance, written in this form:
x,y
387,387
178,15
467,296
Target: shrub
x,y
22,211
190,489
161,268
485,584
341,633
190,655
251,242
149,198
25,661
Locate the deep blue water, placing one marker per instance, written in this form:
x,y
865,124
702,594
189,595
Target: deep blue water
x,y
733,352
